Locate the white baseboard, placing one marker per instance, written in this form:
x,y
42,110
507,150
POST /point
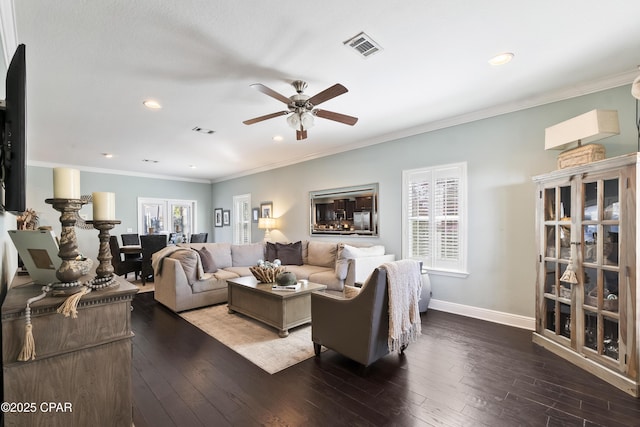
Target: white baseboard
x,y
509,319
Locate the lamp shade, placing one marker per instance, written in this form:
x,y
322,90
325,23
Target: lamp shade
x,y
585,128
267,223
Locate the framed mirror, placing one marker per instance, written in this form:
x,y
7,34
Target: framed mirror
x,y
351,211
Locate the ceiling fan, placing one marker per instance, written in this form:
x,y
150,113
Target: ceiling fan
x,y
301,107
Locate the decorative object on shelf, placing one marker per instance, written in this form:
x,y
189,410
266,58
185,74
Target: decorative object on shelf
x,y
28,220
66,183
583,129
266,271
105,269
267,224
69,271
286,278
104,206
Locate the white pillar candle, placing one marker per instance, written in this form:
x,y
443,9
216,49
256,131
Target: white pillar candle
x,y
66,183
104,206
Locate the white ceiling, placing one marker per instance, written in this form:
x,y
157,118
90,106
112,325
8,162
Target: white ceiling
x,y
92,63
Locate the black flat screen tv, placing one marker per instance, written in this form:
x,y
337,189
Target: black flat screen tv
x,y
14,143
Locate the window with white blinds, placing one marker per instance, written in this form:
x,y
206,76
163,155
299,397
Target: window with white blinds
x,y
242,219
434,217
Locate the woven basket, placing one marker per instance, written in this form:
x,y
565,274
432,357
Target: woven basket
x,y
266,275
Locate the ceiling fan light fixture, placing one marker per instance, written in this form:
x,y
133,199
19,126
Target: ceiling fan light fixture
x,y
152,104
307,120
294,121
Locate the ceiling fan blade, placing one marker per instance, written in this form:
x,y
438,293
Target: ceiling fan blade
x,y
301,134
336,117
265,117
272,93
327,94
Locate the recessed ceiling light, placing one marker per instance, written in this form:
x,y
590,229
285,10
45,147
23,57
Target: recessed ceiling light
x,y
501,58
107,155
151,104
193,166
278,138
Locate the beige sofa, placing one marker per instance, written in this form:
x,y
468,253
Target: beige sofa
x,y
181,284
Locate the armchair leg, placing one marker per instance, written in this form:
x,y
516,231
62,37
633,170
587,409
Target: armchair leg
x,y
317,348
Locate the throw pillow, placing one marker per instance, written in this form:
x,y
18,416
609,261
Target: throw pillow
x,y
246,255
289,253
271,252
347,252
322,254
208,264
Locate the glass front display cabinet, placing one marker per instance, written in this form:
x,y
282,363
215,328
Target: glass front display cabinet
x,y
586,301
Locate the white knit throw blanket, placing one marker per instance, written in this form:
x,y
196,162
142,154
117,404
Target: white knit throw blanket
x,y
404,284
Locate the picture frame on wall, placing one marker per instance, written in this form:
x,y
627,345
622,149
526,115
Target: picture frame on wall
x,y
217,217
266,210
255,214
226,217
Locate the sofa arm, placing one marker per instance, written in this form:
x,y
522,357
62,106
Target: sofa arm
x,y
171,285
359,269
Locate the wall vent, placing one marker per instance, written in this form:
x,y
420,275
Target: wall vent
x,y
203,130
363,44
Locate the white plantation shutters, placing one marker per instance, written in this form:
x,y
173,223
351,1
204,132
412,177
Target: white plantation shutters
x,y
434,216
242,219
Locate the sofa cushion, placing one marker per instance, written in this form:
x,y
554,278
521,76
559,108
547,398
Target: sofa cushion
x,y
328,278
304,271
240,271
246,255
347,252
208,283
322,254
289,253
208,263
220,252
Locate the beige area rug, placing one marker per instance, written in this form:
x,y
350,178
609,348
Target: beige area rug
x,y
255,341
148,287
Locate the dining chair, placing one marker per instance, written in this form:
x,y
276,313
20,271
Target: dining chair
x,y
131,239
120,266
199,237
151,243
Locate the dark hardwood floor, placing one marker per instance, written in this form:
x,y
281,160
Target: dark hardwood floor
x,y
462,372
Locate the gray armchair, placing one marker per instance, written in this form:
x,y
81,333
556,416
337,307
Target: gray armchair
x,y
357,328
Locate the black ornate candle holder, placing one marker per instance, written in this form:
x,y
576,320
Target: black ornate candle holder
x,y
70,269
105,269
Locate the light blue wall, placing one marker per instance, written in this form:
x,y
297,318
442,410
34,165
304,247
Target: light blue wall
x,y
127,190
503,153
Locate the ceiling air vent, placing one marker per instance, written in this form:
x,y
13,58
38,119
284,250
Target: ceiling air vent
x,y
203,130
363,44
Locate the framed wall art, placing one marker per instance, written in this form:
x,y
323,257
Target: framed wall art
x,y
217,217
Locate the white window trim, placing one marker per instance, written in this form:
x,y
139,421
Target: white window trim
x,y
457,170
237,220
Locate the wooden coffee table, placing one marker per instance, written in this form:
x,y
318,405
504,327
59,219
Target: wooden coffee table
x,y
281,309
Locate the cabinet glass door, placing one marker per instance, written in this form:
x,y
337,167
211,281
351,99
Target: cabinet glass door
x,y
600,274
558,295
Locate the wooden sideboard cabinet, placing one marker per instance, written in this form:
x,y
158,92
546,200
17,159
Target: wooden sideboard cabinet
x,y
81,375
586,218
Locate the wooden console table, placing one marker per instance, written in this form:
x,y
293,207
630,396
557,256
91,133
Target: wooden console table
x,y
81,375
